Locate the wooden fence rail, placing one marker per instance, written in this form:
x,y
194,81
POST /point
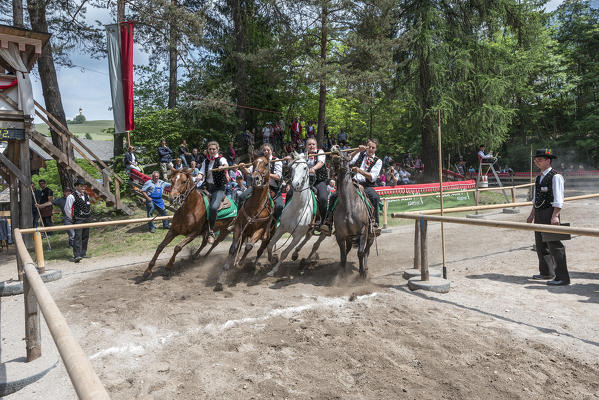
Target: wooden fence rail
x,y
85,381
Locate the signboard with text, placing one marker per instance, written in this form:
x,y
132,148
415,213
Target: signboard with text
x,y
11,134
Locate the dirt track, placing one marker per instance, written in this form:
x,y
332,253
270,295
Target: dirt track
x,y
324,334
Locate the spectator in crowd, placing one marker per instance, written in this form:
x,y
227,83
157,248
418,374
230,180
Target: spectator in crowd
x,y
178,164
196,156
184,152
387,161
461,167
392,176
342,138
296,132
152,191
267,133
194,169
77,205
35,199
408,161
331,187
382,180
66,218
130,161
471,170
45,204
230,154
165,157
405,176
239,187
310,130
417,163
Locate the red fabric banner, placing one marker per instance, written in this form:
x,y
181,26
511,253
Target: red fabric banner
x,y
9,85
127,72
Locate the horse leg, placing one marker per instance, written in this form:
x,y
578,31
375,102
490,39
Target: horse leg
x,y
196,255
342,252
222,278
273,243
348,244
362,256
178,248
307,237
285,253
170,235
316,246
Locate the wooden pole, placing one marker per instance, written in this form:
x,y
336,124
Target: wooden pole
x,y
385,209
513,194
39,252
441,190
95,224
523,226
33,335
417,244
455,191
25,167
424,276
87,384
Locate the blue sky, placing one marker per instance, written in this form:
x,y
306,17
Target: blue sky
x,y
89,88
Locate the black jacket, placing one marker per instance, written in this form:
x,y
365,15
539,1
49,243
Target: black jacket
x,y
164,154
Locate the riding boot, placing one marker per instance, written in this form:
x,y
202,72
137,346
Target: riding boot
x,y
326,228
210,236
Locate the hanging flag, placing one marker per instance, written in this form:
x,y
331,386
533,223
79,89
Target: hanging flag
x,y
120,69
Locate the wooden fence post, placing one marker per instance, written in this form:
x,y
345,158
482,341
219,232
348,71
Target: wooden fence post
x,y
424,276
385,210
106,180
39,252
416,244
33,337
513,195
117,194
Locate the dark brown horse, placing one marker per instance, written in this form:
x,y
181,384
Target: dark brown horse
x,y
254,220
353,225
189,219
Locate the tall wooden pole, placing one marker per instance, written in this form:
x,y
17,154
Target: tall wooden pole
x,y
441,189
17,13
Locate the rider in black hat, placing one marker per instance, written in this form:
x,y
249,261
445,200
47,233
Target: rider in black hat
x,y
548,200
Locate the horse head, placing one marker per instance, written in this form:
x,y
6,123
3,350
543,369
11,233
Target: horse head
x,y
181,184
260,172
299,171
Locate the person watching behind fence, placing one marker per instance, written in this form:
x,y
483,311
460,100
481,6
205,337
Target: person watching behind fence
x,y
66,217
77,205
45,204
548,200
165,158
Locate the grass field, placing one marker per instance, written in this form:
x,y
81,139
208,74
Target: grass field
x,y
94,128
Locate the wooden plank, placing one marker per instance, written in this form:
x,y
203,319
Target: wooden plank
x,y
13,168
33,336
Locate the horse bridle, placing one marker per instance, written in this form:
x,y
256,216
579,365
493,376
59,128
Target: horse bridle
x,y
305,178
178,200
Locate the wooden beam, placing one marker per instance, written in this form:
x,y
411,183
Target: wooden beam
x,y
13,168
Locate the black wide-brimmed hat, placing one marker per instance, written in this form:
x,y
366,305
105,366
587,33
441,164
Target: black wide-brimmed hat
x,y
79,182
544,153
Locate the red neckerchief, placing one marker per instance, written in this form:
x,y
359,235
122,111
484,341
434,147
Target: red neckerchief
x,y
210,158
369,160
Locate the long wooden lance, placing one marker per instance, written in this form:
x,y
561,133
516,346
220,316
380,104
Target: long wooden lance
x,y
242,165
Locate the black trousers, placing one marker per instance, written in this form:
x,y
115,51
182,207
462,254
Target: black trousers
x,y
555,249
372,195
322,198
81,238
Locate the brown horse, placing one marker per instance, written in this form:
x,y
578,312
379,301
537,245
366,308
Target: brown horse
x,y
189,220
253,221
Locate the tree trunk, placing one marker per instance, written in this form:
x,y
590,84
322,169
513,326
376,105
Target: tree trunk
x,y
172,59
427,123
50,89
17,13
119,137
322,95
237,8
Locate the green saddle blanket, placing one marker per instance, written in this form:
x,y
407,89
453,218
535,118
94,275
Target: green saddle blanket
x,y
225,213
364,199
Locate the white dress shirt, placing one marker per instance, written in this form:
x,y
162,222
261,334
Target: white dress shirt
x,y
278,170
558,189
207,175
374,172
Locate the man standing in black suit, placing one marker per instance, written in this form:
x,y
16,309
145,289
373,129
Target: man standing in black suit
x,y
548,200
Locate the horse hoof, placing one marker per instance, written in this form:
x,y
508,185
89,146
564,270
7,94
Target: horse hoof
x,y
218,287
249,246
363,274
272,273
294,256
147,274
304,262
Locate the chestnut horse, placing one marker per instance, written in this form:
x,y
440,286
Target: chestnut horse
x,y
254,220
189,220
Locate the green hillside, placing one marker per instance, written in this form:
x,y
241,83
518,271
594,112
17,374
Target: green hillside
x,y
94,128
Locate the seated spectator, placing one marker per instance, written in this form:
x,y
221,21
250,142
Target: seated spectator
x,y
178,164
331,187
392,176
405,176
383,180
194,169
130,161
239,187
196,156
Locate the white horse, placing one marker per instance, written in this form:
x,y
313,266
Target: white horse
x,y
296,218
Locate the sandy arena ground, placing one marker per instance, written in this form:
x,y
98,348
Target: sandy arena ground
x,y
328,335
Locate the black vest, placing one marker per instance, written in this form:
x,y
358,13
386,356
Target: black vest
x,y
219,177
321,173
278,183
81,207
358,164
543,199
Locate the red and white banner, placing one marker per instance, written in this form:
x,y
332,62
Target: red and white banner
x,y
120,69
